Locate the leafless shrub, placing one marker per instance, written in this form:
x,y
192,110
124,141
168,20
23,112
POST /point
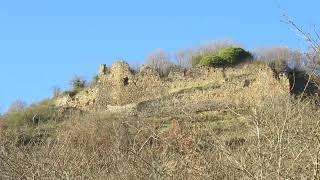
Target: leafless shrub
x,y
284,143
280,141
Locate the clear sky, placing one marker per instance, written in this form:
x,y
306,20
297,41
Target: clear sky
x,y
44,43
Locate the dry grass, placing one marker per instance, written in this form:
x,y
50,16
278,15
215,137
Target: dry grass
x,y
278,140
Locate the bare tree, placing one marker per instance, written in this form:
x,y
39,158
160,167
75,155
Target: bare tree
x,y
160,60
17,106
273,54
297,60
216,46
312,62
281,56
312,39
184,58
56,91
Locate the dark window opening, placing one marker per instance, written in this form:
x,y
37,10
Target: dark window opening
x,y
126,81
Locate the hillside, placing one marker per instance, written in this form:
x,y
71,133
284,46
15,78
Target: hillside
x,y
204,123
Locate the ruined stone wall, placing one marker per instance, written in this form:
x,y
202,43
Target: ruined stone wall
x,y
84,100
119,86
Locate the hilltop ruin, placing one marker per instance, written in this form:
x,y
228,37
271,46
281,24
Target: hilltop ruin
x,y
120,87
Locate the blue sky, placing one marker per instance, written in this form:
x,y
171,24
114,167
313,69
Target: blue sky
x,y
44,43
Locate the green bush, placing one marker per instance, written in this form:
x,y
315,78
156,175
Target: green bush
x,y
78,83
32,116
196,60
225,57
211,60
234,55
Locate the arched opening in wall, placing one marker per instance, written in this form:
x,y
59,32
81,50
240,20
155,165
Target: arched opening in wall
x,y
125,81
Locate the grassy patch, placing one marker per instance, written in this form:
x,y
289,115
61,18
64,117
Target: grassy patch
x,y
212,85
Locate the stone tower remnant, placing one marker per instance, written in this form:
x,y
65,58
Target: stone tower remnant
x,y
102,69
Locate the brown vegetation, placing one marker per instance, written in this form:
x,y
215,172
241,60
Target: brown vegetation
x,y
277,140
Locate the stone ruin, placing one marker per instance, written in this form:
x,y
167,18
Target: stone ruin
x,y
118,86
102,69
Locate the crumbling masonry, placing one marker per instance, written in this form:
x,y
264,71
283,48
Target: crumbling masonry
x,y
118,86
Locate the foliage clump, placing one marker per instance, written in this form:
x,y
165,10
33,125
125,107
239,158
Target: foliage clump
x,y
234,55
33,115
78,83
211,60
225,57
